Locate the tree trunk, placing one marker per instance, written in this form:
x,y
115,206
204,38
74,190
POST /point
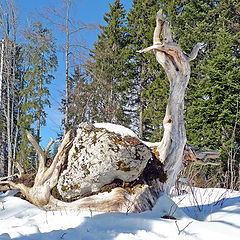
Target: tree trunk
x,y
2,141
141,107
3,163
67,70
9,98
40,112
177,66
171,148
1,72
9,108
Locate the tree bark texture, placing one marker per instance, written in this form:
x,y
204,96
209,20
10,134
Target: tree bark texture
x,y
9,97
68,3
1,71
177,66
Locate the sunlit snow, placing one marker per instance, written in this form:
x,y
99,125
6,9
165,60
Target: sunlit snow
x,y
201,214
197,214
123,131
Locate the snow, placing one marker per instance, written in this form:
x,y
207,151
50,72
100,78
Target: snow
x,y
123,131
119,129
201,214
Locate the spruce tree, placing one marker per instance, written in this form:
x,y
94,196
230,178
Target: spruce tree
x,y
214,117
40,62
108,68
79,98
150,85
212,111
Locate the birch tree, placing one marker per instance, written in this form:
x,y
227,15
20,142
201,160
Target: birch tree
x,y
2,135
70,42
9,95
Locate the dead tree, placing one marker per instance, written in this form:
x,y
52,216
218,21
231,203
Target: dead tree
x,y
177,66
171,149
46,177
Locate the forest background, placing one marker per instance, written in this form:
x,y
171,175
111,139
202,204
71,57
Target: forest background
x,y
111,82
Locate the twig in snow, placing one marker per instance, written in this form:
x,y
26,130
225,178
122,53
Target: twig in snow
x,y
62,237
181,230
90,210
3,207
46,217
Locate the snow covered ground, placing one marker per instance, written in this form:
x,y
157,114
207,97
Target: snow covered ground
x,y
201,214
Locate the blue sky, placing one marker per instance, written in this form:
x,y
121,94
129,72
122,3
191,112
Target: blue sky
x,y
88,11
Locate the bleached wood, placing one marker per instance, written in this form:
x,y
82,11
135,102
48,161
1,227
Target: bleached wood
x,y
1,71
38,148
171,149
177,66
49,146
118,200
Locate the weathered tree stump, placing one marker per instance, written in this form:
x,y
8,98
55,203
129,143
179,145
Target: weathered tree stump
x,y
95,169
104,171
177,66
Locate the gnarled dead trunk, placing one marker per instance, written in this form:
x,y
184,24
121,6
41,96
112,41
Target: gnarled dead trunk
x,y
177,66
171,149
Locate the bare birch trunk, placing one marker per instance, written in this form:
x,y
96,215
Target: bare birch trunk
x,y
9,99
3,163
8,110
2,143
67,70
1,72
